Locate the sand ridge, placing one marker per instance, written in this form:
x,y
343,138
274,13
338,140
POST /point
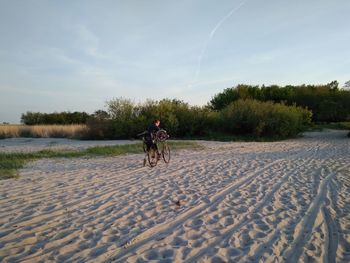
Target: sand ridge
x,y
283,201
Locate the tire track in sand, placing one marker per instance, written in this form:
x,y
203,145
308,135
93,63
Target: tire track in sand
x,y
108,190
159,231
227,233
303,229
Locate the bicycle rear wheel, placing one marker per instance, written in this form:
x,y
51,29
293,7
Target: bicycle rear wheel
x,y
152,157
166,153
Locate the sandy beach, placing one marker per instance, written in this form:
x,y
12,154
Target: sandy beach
x,y
286,201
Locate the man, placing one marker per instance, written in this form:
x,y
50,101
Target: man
x,y
149,137
151,132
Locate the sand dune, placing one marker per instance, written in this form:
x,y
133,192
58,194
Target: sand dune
x,y
232,202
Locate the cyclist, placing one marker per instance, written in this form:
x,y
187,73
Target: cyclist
x,y
150,135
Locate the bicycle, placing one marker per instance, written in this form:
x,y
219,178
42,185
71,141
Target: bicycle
x,y
153,154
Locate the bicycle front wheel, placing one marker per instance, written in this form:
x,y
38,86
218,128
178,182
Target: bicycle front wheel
x,y
166,153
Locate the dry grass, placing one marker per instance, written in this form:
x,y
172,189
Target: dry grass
x,y
42,131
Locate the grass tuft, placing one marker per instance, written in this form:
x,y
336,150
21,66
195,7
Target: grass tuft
x,y
345,125
10,163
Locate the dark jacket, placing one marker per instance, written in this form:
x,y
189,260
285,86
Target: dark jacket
x,y
151,131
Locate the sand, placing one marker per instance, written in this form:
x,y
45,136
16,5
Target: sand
x,y
285,201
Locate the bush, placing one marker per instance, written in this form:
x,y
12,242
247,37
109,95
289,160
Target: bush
x,y
251,117
62,118
126,119
327,102
98,126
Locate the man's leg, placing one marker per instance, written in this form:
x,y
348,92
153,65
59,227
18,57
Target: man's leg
x,y
148,147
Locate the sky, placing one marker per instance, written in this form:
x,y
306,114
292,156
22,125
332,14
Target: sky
x,y
76,55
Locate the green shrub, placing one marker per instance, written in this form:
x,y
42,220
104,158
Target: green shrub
x,y
63,118
251,117
126,119
328,102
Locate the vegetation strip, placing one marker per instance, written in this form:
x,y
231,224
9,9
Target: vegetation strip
x,y
344,125
11,162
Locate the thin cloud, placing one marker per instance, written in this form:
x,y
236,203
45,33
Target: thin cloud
x,y
211,35
89,41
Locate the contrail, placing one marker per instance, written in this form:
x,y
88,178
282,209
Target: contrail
x,y
211,35
226,17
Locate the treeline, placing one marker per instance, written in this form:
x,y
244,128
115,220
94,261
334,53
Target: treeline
x,y
254,111
125,119
328,103
36,118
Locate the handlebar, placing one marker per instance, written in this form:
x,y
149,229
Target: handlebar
x,y
160,135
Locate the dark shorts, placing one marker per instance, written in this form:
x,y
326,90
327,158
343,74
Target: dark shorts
x,y
149,143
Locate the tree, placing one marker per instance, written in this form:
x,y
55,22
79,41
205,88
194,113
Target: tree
x,y
101,114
